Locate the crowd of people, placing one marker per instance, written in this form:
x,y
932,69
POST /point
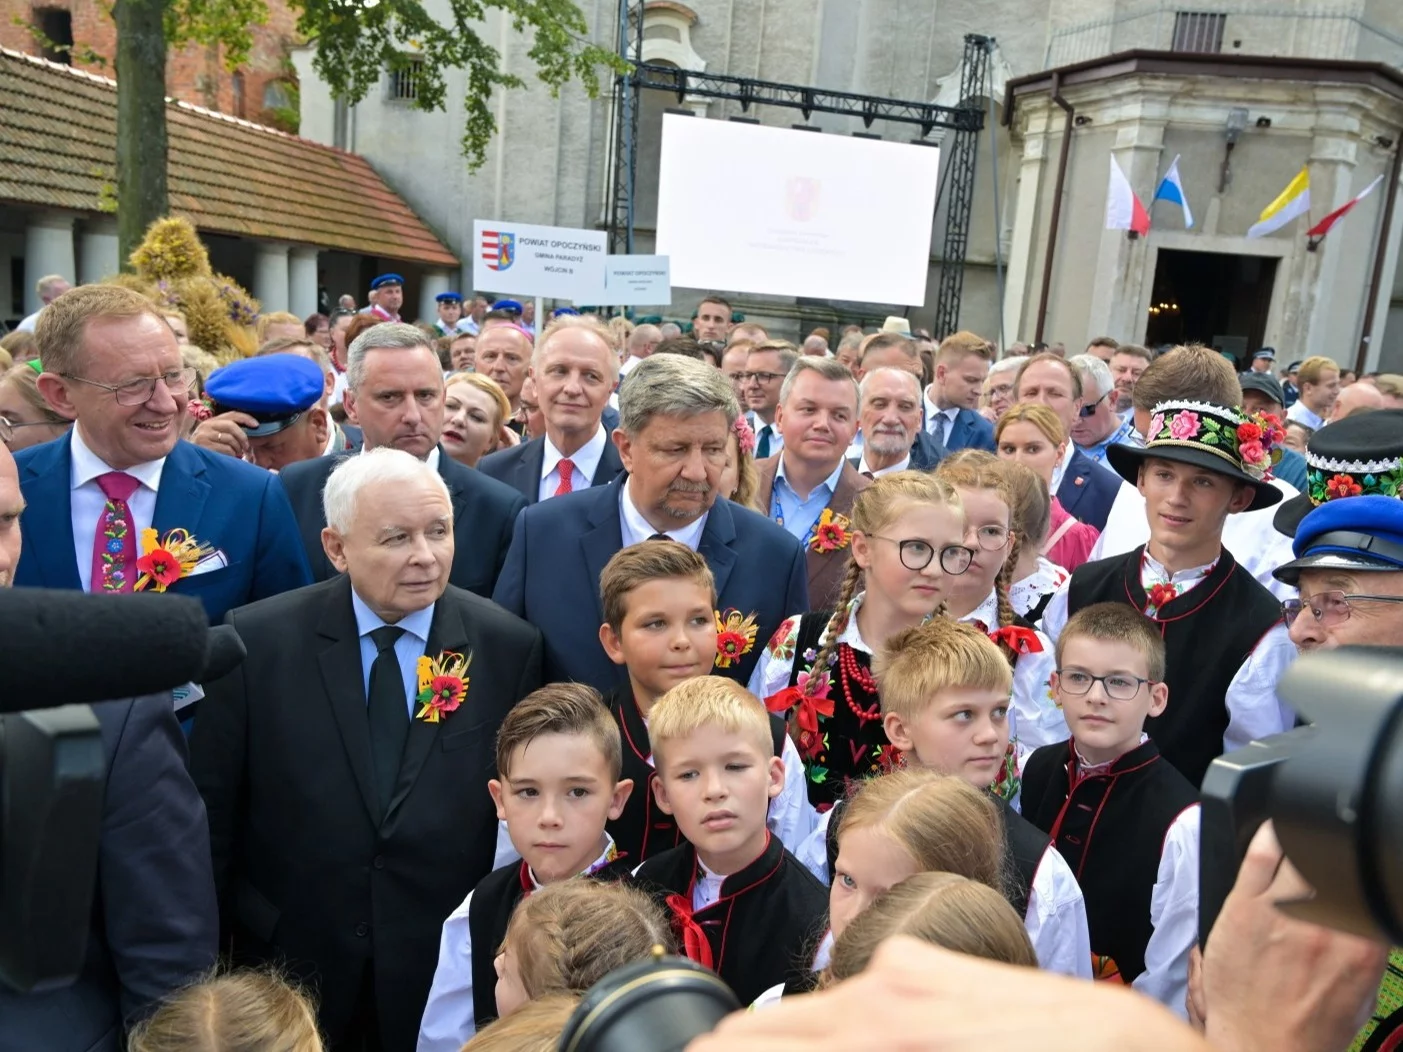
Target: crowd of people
x,y
818,662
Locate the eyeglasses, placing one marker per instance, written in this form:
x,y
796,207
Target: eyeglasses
x,y
9,427
917,554
764,378
1118,685
991,538
139,392
1329,608
1089,409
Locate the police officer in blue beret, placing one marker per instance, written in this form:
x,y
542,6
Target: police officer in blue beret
x,y
1349,571
386,297
450,320
267,411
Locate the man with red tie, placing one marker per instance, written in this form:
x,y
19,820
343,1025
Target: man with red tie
x,y
120,503
573,369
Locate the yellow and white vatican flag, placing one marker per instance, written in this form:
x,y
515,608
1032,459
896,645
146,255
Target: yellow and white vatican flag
x,y
1290,204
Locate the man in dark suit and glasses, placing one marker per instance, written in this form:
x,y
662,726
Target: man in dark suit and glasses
x,y
344,774
396,396
574,369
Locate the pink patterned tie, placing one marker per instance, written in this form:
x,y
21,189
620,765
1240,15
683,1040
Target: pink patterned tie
x,y
114,539
567,471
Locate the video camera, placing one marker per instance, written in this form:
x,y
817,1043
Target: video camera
x,y
65,651
1334,790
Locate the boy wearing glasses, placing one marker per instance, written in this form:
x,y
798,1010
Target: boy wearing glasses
x,y
1124,819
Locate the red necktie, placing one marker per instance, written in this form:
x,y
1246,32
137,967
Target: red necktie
x,y
566,469
114,537
695,945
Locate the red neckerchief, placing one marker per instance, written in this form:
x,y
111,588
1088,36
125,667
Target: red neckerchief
x,y
694,941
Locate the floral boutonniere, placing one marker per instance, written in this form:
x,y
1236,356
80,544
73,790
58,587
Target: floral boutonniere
x,y
443,684
735,636
832,532
165,560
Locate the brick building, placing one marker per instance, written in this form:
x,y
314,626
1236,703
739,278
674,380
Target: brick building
x,y
257,91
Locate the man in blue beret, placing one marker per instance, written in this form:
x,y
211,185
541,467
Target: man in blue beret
x,y
386,297
268,410
450,320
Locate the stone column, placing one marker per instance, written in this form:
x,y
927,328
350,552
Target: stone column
x,y
48,249
1021,301
97,250
432,283
302,281
270,277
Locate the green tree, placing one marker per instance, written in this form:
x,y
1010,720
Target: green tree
x,y
355,42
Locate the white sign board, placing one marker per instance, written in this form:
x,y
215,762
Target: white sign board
x,y
525,260
633,281
807,214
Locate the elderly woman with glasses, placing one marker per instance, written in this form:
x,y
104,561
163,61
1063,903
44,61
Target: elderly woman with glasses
x,y
25,418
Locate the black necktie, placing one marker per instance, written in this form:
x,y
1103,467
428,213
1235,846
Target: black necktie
x,y
659,537
389,712
762,448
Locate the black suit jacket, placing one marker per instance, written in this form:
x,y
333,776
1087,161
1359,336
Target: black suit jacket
x,y
520,467
154,925
484,511
308,869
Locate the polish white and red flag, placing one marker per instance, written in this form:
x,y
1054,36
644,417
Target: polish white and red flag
x,y
1123,209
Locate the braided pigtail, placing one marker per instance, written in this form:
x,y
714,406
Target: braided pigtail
x,y
1001,586
837,622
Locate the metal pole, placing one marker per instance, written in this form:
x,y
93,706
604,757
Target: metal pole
x,y
994,166
1056,206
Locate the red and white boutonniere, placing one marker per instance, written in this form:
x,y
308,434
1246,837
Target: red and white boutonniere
x,y
443,684
832,532
735,636
165,560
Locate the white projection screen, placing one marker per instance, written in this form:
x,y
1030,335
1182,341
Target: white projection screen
x,y
781,212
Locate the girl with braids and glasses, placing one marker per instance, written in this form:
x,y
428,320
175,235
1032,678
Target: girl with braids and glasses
x,y
980,596
906,547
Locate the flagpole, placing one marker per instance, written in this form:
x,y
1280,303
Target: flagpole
x,y
1380,253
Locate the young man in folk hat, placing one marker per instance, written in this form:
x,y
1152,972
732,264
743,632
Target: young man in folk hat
x,y
1226,646
1356,457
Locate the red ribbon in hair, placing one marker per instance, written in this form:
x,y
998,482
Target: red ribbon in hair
x,y
694,941
1019,640
810,707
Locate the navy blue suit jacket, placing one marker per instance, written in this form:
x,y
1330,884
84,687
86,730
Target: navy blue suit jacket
x,y
970,431
225,503
551,577
155,925
520,467
483,512
1088,490
926,453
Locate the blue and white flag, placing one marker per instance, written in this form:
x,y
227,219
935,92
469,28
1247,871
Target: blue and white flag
x,y
1171,189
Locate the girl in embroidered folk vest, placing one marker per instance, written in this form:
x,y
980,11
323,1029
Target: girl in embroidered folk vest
x,y
981,597
907,545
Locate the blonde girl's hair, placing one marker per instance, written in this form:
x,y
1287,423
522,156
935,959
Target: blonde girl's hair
x,y
941,821
1032,504
980,470
873,511
242,1011
566,937
488,386
943,909
534,1027
1037,414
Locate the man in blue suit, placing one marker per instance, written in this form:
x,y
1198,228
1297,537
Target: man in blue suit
x,y
113,366
1084,488
675,418
395,394
574,369
952,399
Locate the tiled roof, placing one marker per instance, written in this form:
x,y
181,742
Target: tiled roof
x,y
58,134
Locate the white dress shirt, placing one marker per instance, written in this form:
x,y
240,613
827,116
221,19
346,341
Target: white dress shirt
x,y
636,529
1249,535
409,648
1174,914
586,460
449,1017
1300,413
864,469
431,460
87,500
1055,919
934,425
1060,469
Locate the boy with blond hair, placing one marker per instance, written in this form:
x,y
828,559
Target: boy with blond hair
x,y
558,784
659,622
740,903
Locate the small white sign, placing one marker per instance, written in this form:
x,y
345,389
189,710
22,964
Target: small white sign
x,y
525,260
633,281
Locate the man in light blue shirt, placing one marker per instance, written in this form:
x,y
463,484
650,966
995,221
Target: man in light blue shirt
x,y
1099,426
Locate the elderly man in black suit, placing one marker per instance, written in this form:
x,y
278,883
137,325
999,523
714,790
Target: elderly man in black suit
x,y
574,369
345,764
395,394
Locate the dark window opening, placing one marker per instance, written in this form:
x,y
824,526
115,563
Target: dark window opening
x,y
55,26
1200,31
404,81
238,92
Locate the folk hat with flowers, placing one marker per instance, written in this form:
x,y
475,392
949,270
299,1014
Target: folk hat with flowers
x,y
1217,438
1359,456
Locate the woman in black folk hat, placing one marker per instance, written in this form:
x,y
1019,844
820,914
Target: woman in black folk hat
x,y
1222,629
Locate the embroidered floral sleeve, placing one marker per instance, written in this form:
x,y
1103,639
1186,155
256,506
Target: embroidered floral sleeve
x,y
776,664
